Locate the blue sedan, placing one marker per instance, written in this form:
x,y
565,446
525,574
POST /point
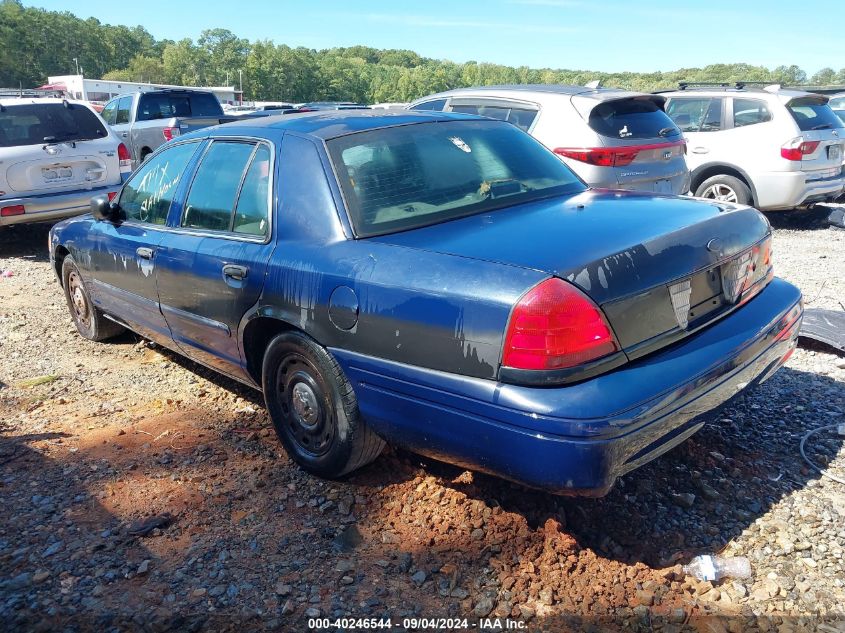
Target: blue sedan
x,y
438,281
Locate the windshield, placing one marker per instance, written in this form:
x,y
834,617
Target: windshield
x,y
812,114
39,123
409,176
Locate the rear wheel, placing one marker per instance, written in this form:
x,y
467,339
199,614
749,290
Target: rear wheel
x,y
89,321
724,188
314,409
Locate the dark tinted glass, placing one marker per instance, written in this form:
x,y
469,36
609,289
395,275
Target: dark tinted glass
x,y
124,105
636,118
164,105
149,192
750,112
37,123
696,115
215,188
436,104
252,211
812,114
405,177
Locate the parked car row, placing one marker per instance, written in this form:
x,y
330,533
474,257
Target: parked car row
x,y
443,282
772,148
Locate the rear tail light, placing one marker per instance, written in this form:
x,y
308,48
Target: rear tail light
x,y
111,195
617,156
15,209
124,158
798,148
761,271
555,326
170,132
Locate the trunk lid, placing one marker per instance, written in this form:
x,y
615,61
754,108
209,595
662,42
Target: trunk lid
x,y
629,252
822,132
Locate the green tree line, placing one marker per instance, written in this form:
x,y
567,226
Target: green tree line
x,y
35,43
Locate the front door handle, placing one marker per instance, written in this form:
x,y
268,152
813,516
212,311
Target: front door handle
x,y
144,253
699,150
233,271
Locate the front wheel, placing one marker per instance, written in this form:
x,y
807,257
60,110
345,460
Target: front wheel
x,y
314,409
89,321
725,188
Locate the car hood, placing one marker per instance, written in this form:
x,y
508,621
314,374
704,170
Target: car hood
x,y
611,244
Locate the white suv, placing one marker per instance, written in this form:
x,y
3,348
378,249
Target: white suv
x,y
771,148
55,155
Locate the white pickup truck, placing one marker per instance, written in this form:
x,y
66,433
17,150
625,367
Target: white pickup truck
x,y
145,120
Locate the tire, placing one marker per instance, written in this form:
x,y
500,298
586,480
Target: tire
x,y
314,409
89,321
724,187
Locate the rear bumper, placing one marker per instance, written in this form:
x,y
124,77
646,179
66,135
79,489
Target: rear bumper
x,y
579,438
787,190
50,207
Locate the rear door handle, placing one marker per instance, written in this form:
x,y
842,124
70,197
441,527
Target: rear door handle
x,y
699,150
233,271
124,134
144,253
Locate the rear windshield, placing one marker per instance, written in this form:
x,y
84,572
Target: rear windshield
x,y
811,114
38,123
635,118
163,106
405,177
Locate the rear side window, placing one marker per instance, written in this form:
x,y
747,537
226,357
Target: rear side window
x,y
165,105
696,115
811,114
124,105
39,123
230,190
636,118
750,112
146,197
435,104
520,117
837,104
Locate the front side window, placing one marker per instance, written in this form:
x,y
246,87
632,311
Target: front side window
x,y
750,112
409,176
696,114
147,196
229,191
520,117
436,105
109,113
39,123
813,113
124,105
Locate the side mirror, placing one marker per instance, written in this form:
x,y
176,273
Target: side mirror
x,y
102,208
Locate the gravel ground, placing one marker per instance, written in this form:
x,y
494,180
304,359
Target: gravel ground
x,y
143,491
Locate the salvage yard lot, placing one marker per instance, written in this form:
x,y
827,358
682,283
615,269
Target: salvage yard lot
x,y
95,438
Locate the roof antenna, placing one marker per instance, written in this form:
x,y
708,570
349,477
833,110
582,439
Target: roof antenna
x,y
593,85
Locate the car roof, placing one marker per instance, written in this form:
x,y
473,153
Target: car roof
x,y
523,90
326,124
12,101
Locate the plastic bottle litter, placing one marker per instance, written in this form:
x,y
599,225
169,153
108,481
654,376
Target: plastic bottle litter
x,y
717,567
6,273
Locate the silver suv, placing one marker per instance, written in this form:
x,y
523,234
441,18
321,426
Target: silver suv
x,y
769,147
610,138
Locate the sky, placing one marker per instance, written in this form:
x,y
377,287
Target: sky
x,y
609,35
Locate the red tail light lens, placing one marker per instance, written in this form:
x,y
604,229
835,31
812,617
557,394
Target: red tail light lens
x,y
798,148
15,209
618,156
124,158
555,326
170,132
111,195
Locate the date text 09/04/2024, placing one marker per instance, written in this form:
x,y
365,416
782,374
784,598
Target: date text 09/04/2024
x,y
435,624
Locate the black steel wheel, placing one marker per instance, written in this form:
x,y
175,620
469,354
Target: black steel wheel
x,y
314,409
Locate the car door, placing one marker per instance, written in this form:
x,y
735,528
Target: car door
x,y
210,266
123,252
701,119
